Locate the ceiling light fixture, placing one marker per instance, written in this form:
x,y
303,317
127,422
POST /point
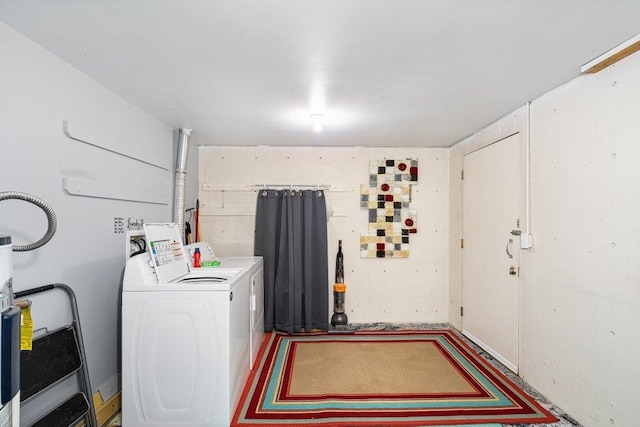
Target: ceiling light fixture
x,y
317,122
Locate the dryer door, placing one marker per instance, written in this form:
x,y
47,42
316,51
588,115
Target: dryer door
x,y
175,359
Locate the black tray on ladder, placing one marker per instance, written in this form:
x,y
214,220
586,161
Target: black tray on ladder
x,y
56,356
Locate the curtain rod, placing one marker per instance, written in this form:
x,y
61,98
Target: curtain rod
x,y
291,186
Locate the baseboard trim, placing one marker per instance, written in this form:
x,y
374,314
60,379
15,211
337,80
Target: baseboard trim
x,y
511,366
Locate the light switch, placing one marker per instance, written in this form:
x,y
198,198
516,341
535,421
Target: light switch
x,y
526,241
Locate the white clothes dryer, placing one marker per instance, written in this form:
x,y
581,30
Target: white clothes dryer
x,y
189,336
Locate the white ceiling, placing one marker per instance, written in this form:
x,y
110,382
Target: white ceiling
x,y
383,72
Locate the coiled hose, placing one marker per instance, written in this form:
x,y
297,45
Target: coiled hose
x,y
48,210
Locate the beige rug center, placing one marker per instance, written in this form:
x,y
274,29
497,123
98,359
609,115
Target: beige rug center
x,y
373,368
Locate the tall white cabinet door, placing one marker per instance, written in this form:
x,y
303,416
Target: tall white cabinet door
x,y
492,205
239,339
256,309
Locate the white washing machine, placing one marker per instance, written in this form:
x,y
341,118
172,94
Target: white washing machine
x,y
189,336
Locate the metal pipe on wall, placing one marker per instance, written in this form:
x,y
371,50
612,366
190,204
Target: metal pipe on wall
x,y
48,210
180,183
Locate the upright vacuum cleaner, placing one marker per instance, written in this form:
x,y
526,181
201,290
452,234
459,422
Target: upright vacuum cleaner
x,y
339,319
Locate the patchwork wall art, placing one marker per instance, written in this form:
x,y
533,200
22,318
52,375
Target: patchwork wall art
x,y
387,197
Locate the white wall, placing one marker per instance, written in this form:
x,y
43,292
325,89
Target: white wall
x,y
38,92
585,268
378,290
580,299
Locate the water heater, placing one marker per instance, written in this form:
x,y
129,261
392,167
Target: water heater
x,y
6,269
9,341
10,315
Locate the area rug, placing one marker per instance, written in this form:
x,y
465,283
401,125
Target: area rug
x,y
379,378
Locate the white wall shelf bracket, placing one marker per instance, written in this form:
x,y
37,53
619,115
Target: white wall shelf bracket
x,y
88,188
146,158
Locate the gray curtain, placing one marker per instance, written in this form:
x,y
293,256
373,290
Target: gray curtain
x,y
291,236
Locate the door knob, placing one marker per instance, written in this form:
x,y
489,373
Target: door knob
x,y
513,270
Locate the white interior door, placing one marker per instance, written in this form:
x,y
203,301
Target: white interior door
x,y
492,206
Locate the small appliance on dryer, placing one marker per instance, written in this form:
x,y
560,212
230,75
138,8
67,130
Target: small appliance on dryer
x,y
189,336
